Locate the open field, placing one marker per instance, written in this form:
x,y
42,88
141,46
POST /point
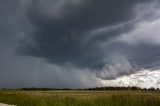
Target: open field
x,y
81,98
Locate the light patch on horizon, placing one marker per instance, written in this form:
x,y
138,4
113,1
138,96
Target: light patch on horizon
x,y
144,79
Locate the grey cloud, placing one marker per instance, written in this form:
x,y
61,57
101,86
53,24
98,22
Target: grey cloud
x,y
72,37
25,71
119,67
68,43
61,40
148,34
145,30
89,15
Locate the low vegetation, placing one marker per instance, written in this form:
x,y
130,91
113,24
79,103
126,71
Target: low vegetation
x,y
81,98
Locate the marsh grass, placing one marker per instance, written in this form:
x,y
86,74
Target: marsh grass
x,y
77,98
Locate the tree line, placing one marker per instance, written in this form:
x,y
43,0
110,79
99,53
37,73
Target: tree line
x,y
111,88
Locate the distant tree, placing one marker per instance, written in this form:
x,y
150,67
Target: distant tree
x,y
152,89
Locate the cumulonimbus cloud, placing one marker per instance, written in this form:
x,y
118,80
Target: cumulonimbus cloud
x,y
65,31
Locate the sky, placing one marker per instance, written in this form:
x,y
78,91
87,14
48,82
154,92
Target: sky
x,y
79,43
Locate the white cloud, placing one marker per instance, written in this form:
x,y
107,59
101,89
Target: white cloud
x,y
145,79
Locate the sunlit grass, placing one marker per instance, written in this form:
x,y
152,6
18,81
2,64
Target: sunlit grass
x,y
77,98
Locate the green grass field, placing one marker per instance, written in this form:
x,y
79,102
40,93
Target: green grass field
x,y
81,98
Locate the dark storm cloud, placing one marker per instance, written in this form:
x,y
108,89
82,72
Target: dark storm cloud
x,y
87,15
77,38
143,56
24,71
60,30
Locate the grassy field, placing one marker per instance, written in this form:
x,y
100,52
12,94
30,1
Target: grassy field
x,y
81,98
